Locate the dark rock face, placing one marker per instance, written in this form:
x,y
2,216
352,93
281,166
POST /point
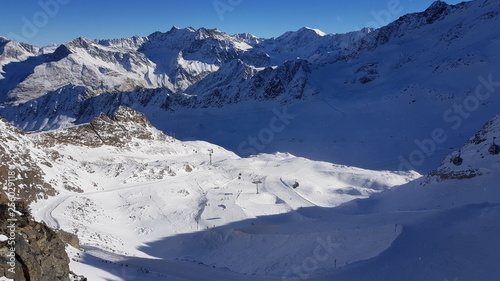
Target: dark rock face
x,y
436,11
446,174
39,253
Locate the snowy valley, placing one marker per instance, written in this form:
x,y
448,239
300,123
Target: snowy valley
x,y
146,206
197,155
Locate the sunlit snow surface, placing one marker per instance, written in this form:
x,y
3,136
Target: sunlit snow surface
x,y
165,200
156,210
164,209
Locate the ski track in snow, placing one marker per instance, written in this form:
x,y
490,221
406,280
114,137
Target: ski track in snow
x,y
424,234
209,223
295,193
219,203
49,209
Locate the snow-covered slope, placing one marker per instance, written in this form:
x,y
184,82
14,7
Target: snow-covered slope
x,y
148,206
121,185
209,222
478,157
126,152
433,228
466,176
449,219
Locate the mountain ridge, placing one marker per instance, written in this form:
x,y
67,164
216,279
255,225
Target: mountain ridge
x,y
213,74
192,38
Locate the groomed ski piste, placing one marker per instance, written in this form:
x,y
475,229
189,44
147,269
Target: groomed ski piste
x,y
157,211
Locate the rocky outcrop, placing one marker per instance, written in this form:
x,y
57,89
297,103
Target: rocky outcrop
x,y
476,158
29,250
121,129
33,251
20,156
68,238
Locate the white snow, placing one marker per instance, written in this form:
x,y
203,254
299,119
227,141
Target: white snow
x,y
165,209
133,192
151,198
160,209
319,32
347,113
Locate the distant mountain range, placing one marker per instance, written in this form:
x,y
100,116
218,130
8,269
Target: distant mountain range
x,y
389,87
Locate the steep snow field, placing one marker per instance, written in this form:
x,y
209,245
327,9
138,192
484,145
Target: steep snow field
x,y
137,197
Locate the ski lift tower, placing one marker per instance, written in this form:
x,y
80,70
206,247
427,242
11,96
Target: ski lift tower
x,y
210,151
256,182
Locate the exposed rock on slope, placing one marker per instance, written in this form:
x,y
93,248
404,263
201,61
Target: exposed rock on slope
x,y
124,126
39,252
480,155
37,170
36,162
19,155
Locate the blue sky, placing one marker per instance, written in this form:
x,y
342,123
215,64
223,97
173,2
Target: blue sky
x,y
44,22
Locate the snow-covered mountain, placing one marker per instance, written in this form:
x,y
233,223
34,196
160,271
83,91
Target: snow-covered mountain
x,y
360,87
145,205
173,60
197,155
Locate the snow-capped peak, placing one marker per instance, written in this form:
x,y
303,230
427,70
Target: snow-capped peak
x,y
304,32
317,31
81,42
